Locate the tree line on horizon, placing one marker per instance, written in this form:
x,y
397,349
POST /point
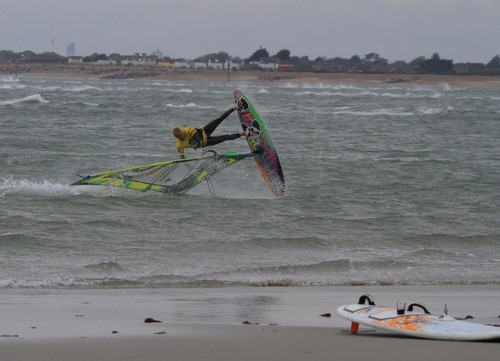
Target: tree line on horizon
x,y
370,63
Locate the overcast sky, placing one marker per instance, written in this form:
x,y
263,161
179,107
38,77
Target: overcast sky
x,y
461,30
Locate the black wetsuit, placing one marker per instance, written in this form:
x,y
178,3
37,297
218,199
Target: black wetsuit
x,y
210,127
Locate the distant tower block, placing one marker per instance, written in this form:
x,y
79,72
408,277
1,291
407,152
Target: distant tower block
x,y
70,49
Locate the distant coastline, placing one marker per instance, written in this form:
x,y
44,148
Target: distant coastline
x,y
127,72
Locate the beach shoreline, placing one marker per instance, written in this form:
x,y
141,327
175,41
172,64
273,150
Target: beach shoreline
x,y
158,73
243,323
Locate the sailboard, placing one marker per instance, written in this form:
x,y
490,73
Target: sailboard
x,y
175,176
260,143
415,321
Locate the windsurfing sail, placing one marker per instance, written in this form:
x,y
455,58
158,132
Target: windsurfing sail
x,y
175,176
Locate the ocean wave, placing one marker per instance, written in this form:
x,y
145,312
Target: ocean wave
x,y
60,282
339,94
182,90
36,98
51,189
20,241
351,92
434,111
288,242
40,188
9,79
81,88
105,266
333,266
261,91
410,95
188,105
374,112
8,86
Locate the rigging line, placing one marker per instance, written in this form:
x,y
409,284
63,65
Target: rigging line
x,y
211,187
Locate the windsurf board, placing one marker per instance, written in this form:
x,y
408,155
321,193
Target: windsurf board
x,y
415,321
260,143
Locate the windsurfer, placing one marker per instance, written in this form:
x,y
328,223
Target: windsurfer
x,y
195,138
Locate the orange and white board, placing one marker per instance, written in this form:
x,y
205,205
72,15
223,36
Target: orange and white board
x,y
416,323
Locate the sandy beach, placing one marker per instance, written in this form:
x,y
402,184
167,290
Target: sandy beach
x,y
159,73
228,324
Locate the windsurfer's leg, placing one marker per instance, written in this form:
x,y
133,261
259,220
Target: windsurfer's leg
x,y
222,138
210,127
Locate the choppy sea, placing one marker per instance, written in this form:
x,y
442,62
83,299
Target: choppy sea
x,y
386,184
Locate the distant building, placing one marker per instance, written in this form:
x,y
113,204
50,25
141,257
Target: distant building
x,y
75,59
139,59
181,64
157,53
234,65
468,68
165,63
199,65
286,67
267,64
71,49
216,64
105,62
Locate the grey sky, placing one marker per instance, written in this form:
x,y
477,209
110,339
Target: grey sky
x,y
462,30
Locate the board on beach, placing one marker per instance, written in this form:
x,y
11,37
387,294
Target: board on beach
x,y
415,321
260,143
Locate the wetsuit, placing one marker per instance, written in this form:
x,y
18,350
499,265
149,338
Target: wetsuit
x,y
201,137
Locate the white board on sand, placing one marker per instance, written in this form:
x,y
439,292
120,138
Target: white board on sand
x,y
414,320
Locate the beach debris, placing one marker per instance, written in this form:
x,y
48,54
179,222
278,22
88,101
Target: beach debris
x,y
114,332
326,315
468,317
160,333
9,336
250,323
151,320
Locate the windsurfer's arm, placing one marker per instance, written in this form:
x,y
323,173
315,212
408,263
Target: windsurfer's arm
x,y
197,138
180,151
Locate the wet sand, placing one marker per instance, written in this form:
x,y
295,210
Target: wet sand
x,y
228,324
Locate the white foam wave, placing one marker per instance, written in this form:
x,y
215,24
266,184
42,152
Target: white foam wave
x,y
36,98
83,88
445,86
91,104
43,283
262,91
37,188
189,105
50,189
9,79
320,86
389,112
359,93
432,111
8,86
183,90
